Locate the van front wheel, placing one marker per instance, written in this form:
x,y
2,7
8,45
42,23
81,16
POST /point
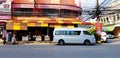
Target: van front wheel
x,y
61,42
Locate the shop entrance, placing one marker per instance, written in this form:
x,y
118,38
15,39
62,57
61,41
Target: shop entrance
x,y
35,31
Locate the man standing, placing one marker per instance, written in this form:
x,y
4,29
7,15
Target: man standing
x,y
103,36
4,36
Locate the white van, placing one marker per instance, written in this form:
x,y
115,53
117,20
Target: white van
x,y
73,35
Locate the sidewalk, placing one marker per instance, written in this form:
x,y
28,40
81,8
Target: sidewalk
x,y
30,43
39,43
115,41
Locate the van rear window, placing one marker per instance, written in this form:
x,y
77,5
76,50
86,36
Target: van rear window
x,y
67,32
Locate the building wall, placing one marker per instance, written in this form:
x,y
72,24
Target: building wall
x,y
43,12
51,7
23,1
43,16
65,2
112,18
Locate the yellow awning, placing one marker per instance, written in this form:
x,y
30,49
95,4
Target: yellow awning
x,y
61,26
37,25
16,26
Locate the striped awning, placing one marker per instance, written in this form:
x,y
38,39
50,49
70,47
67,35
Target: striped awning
x,y
46,21
16,26
23,26
57,23
61,26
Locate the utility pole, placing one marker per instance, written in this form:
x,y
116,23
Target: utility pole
x,y
98,24
97,10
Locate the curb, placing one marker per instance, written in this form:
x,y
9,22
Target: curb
x,y
40,44
110,42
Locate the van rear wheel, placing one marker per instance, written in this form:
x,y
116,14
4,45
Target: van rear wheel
x,y
61,42
87,42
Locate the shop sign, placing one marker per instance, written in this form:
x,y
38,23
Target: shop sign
x,y
5,9
98,27
5,17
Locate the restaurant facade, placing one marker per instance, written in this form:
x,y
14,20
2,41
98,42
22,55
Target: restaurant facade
x,y
40,17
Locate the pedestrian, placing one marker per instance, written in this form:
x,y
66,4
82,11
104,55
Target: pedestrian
x,y
8,36
4,37
14,39
4,41
103,36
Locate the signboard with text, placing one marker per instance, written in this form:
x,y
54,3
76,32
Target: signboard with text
x,y
5,9
98,27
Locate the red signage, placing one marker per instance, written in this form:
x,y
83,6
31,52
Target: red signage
x,y
6,5
98,26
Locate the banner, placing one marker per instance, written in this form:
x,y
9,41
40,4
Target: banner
x,y
5,9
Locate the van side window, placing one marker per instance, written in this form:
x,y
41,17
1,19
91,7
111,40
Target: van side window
x,y
77,32
59,33
86,33
67,32
72,32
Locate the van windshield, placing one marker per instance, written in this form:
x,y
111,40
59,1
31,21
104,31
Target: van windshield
x,y
67,32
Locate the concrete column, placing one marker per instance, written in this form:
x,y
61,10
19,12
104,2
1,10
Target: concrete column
x,y
104,20
119,18
111,19
116,19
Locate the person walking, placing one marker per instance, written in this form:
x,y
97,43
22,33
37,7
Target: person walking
x,y
13,39
4,37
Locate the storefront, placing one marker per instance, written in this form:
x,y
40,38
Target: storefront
x,y
5,14
39,26
40,17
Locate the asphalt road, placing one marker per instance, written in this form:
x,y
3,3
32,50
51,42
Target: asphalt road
x,y
54,51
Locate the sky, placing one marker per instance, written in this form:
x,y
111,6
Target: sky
x,y
90,3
